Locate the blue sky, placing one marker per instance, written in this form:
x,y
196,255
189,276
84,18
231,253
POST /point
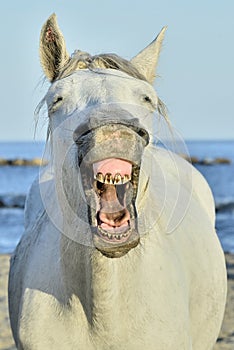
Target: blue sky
x,y
196,66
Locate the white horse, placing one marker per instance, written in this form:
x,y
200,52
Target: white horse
x,y
120,249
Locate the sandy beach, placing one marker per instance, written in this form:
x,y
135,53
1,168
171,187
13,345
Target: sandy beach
x,y
225,341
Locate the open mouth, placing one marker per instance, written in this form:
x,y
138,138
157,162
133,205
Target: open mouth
x,y
112,181
114,218
109,154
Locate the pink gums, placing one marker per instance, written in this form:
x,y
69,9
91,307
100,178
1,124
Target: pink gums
x,y
113,166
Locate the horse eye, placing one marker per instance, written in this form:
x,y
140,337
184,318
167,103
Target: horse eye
x,y
54,105
147,99
58,99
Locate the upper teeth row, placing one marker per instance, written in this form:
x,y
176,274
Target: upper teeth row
x,y
109,179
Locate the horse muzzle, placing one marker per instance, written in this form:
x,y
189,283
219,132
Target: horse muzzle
x,y
110,149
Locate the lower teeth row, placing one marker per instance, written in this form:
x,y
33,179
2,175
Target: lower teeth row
x,y
110,236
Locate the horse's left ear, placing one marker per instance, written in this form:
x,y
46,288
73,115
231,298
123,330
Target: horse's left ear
x,y
53,52
146,61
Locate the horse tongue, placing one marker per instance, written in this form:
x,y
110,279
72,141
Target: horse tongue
x,y
112,213
113,166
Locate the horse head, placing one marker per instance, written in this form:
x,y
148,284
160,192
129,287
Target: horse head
x,y
100,107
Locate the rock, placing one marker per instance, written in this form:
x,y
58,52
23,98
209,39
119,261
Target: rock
x,y
12,201
190,159
37,162
3,161
205,161
222,161
213,161
23,162
18,162
194,160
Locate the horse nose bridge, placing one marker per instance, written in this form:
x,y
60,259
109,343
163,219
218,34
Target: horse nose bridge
x,y
116,117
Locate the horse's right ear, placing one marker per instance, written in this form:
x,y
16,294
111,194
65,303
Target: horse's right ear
x,y
53,52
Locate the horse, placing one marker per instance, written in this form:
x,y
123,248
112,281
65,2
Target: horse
x,y
119,249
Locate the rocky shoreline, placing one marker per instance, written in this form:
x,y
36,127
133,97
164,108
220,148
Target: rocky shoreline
x,y
22,162
41,162
225,341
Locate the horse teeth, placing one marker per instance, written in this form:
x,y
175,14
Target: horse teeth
x,y
117,179
118,236
108,179
113,236
99,177
126,178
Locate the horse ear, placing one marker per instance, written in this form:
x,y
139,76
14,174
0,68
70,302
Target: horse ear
x,y
146,61
53,52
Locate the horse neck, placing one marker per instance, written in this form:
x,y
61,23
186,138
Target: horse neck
x,y
114,286
107,288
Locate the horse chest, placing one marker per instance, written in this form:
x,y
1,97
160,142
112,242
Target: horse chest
x,y
70,329
121,314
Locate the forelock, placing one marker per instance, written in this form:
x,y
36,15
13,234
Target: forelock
x,y
83,60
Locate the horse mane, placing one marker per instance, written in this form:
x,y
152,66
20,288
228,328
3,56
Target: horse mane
x,y
83,60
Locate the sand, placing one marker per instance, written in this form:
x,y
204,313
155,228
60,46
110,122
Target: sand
x,y
6,341
225,341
